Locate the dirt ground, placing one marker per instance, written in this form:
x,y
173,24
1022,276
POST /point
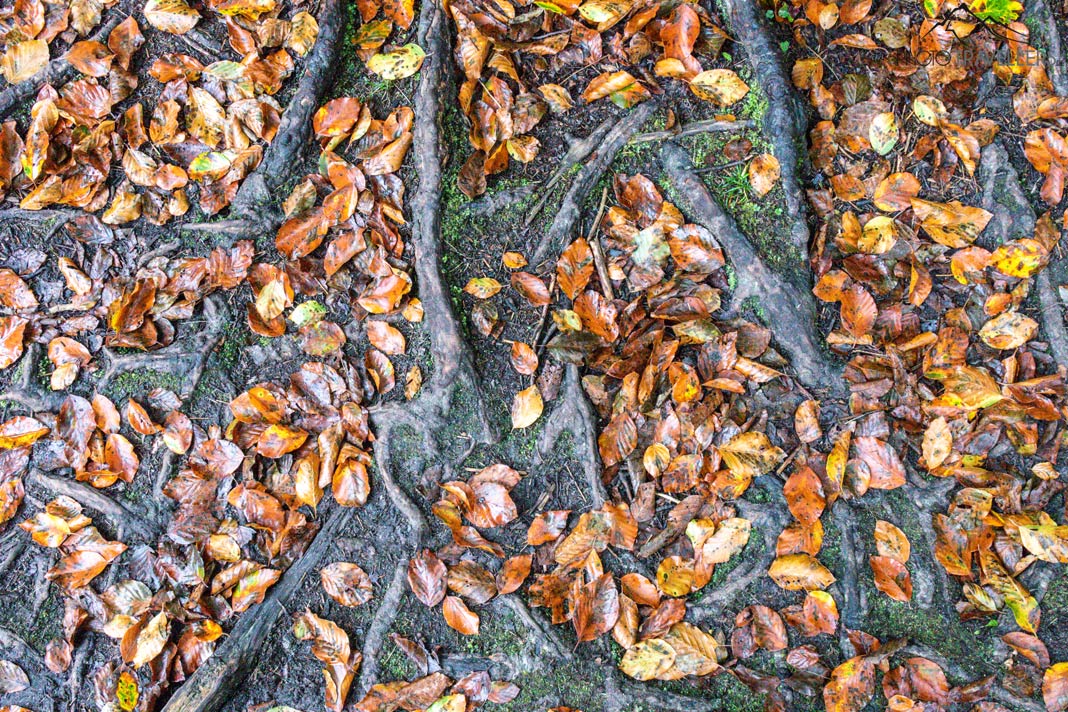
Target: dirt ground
x,y
473,234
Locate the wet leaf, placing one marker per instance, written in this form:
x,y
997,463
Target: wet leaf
x,y
796,572
526,407
346,583
426,578
459,617
401,63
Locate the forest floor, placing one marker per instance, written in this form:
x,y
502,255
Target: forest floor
x,y
461,420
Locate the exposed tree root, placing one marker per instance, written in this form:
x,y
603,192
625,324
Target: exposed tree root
x,y
122,519
1041,11
769,520
179,358
997,692
1014,218
694,128
57,72
634,694
854,601
255,208
577,151
418,530
453,365
574,414
571,208
14,546
385,614
166,467
784,122
77,670
491,204
790,310
213,682
26,392
14,646
547,638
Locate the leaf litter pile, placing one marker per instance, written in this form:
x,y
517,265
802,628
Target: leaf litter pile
x,y
739,438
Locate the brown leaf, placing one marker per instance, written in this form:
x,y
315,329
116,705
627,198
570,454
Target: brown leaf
x,y
892,578
426,578
532,288
527,407
459,617
385,338
596,609
346,583
513,573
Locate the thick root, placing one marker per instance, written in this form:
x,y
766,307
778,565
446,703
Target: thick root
x,y
790,310
588,175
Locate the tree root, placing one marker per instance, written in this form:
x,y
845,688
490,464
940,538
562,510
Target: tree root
x,y
770,520
26,392
56,73
1013,218
453,364
180,358
1042,13
854,600
694,128
491,204
786,305
784,122
385,614
12,552
254,207
210,686
122,519
587,177
547,638
633,694
577,151
389,605
997,692
575,415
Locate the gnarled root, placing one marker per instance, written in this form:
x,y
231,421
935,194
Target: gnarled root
x,y
791,310
574,414
214,681
587,178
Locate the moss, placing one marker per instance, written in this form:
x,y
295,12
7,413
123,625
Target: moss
x,y
138,383
752,304
560,685
755,105
969,645
44,373
726,691
395,665
46,626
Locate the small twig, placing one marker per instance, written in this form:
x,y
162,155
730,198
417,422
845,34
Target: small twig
x,y
576,153
598,253
696,127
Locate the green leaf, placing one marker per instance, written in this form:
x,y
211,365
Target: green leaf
x,y
1001,12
